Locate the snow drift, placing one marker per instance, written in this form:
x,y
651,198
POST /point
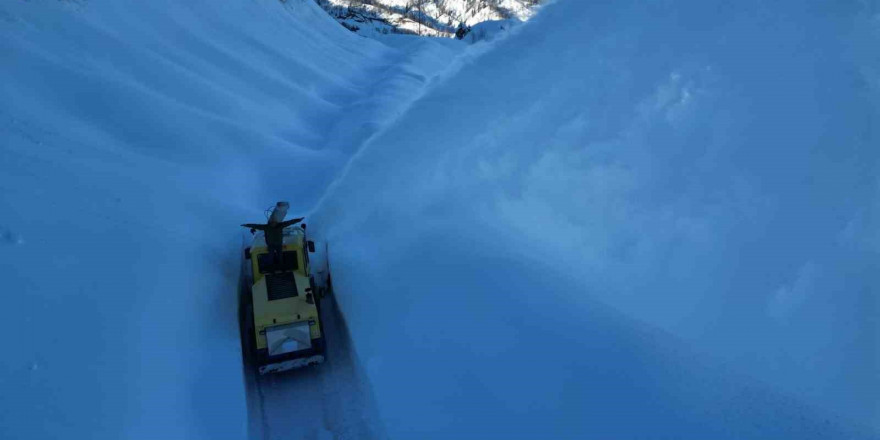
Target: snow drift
x,y
134,138
639,220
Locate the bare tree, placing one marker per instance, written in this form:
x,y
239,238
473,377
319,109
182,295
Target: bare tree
x,y
419,4
356,4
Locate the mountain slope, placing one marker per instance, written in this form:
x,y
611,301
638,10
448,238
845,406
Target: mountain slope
x,y
424,17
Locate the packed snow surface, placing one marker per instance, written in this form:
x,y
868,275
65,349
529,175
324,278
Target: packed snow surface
x,y
623,220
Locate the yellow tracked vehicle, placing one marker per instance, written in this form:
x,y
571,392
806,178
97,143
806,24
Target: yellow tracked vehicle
x,y
282,313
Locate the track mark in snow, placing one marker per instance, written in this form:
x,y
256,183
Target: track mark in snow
x,y
265,423
327,401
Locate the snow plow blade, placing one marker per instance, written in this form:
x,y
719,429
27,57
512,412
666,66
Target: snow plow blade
x,y
292,364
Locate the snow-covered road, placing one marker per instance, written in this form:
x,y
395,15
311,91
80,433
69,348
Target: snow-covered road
x,y
333,400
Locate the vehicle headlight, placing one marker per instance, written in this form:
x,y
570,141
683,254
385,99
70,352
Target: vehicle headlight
x,y
288,338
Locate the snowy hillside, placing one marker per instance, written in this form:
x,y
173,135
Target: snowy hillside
x,y
424,17
134,138
628,220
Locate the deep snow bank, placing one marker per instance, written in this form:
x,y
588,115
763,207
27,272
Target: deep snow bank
x,y
707,170
134,138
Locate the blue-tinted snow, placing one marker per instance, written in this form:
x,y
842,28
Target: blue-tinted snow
x,y
624,221
134,138
633,220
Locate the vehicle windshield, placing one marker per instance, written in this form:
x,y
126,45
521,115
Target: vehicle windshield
x,y
288,262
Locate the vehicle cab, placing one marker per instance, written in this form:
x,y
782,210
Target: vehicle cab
x,y
287,330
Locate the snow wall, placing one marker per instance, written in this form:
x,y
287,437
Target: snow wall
x,y
134,138
628,220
